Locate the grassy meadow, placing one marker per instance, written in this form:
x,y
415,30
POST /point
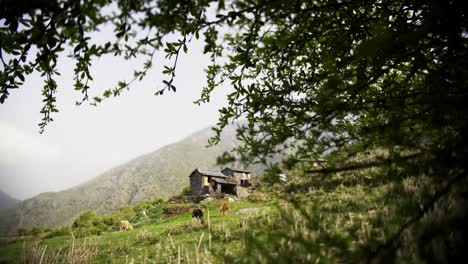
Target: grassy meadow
x,y
171,239
340,218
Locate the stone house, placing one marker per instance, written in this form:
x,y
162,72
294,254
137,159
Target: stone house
x,y
228,181
243,176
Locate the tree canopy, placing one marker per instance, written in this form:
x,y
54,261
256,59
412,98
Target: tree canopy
x,y
309,77
326,73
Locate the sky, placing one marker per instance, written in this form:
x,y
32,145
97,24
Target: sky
x,y
85,141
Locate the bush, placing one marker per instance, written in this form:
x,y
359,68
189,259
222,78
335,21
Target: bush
x,y
60,231
22,231
108,221
271,176
81,232
178,210
181,197
186,191
156,212
124,213
258,197
178,198
95,230
157,201
85,220
88,223
35,231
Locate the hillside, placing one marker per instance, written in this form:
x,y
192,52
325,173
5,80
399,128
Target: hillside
x,y
6,201
333,219
282,223
161,173
148,234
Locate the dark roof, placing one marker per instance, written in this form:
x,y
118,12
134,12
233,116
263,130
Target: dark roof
x,y
237,170
228,180
209,173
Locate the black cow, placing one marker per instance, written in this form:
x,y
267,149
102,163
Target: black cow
x,y
197,216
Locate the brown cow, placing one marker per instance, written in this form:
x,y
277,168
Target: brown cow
x,y
125,225
223,208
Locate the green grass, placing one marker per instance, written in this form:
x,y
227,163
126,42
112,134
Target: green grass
x,y
157,240
308,220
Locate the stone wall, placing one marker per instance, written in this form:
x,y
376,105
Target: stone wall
x,y
195,184
242,191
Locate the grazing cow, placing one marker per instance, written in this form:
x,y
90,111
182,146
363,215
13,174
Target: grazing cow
x,y
223,208
197,216
125,225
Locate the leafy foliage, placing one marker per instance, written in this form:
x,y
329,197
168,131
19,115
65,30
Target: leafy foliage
x,y
86,219
88,223
33,231
59,231
328,74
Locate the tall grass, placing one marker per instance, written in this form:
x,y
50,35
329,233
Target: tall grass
x,y
74,252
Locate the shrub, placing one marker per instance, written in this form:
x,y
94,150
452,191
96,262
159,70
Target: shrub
x,y
271,176
85,220
124,213
178,198
156,212
186,191
59,231
181,197
35,231
257,197
157,201
108,221
88,223
22,231
95,230
178,210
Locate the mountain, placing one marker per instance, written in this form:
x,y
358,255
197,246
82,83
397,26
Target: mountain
x,y
6,201
161,173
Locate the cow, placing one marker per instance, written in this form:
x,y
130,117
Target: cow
x,y
125,225
223,208
197,216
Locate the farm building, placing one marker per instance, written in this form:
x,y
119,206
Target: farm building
x,y
228,181
243,176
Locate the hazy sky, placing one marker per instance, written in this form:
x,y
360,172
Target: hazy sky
x,y
84,141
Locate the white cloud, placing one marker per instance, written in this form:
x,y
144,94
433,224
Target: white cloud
x,y
19,147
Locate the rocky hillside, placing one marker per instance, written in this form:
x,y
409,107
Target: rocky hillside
x,y
161,173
